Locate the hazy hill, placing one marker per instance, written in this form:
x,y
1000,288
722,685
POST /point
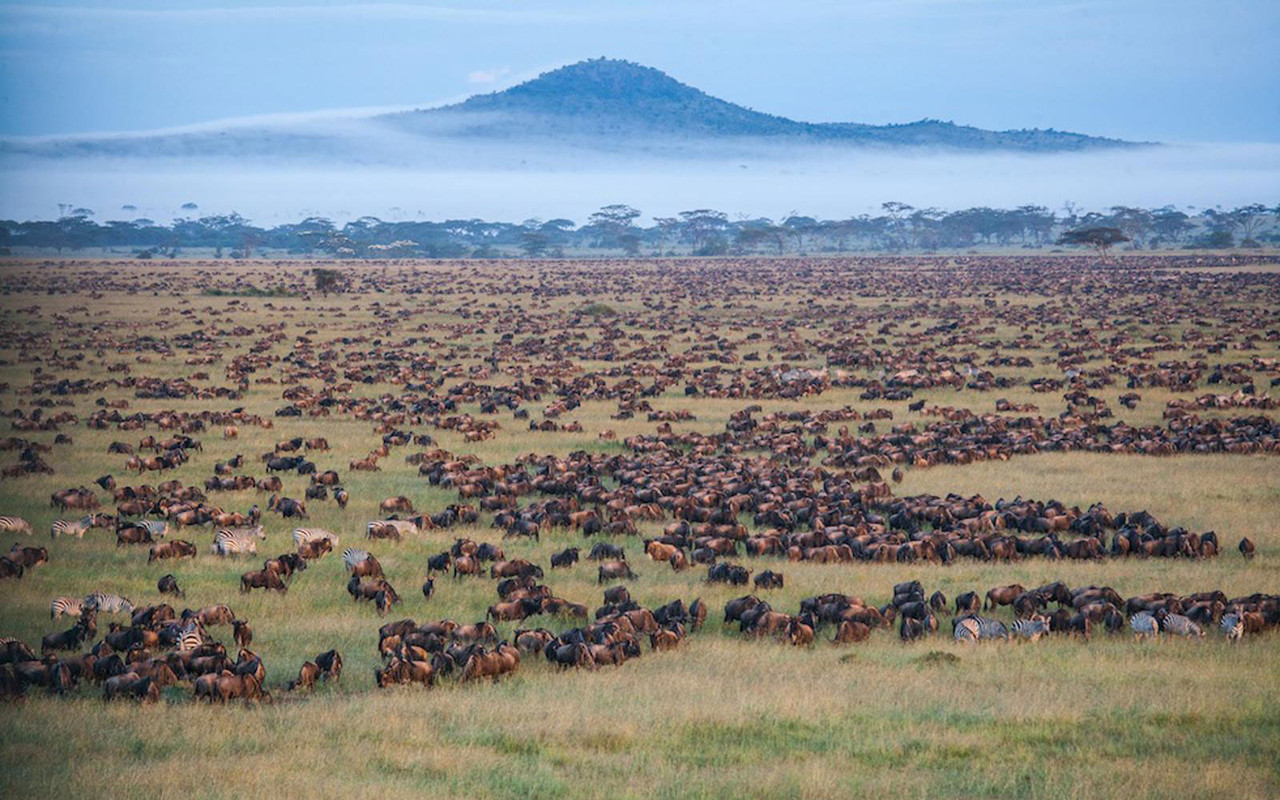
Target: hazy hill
x,y
612,98
602,105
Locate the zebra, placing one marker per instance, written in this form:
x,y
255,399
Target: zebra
x,y
246,532
234,541
1029,629
191,637
14,525
70,527
974,628
1233,626
71,606
105,603
158,528
1144,625
353,556
1180,625
302,536
403,526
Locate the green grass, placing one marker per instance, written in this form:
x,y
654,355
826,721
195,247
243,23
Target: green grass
x,y
719,717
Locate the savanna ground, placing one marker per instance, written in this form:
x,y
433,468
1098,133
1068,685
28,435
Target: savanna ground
x,y
720,716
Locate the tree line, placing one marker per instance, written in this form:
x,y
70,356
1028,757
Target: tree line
x,y
618,229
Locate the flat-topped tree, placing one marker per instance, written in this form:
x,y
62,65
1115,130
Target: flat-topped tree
x,y
1100,238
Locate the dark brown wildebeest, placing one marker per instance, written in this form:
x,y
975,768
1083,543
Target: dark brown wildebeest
x,y
1247,547
565,558
614,570
850,631
228,686
404,671
617,595
466,565
664,639
369,567
769,580
330,664
262,579
177,548
514,610
133,533
1003,595
398,503
315,548
365,590
285,565
130,684
697,614
516,568
564,608
27,557
734,609
307,677
478,632
242,632
86,627
564,655
799,633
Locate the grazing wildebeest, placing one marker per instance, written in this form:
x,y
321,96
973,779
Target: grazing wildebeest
x,y
614,570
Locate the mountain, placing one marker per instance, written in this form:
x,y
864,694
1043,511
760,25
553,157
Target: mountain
x,y
602,105
608,98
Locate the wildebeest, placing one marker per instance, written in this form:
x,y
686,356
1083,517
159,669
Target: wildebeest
x,y
768,580
262,579
565,558
175,548
614,570
169,585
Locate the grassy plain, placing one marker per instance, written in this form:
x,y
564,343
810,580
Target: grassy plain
x,y
720,717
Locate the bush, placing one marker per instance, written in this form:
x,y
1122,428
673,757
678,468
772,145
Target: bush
x,y
599,310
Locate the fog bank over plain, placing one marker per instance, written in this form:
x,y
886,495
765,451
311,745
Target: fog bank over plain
x,y
447,179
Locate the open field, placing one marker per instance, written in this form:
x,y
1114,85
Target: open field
x,y
447,349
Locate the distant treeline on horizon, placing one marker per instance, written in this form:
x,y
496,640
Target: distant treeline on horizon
x,y
614,229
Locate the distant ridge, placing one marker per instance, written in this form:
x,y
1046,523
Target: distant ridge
x,y
604,105
610,97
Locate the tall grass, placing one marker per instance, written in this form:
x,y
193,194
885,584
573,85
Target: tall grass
x,y
720,717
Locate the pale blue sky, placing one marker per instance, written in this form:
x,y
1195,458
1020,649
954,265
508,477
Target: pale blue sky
x,y
1169,70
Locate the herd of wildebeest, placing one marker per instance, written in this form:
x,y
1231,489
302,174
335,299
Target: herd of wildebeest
x,y
417,356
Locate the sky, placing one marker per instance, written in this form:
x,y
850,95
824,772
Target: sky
x,y
1151,70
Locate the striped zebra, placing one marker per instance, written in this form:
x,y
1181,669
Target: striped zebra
x,y
974,628
403,526
191,637
158,528
236,541
14,525
1144,625
1029,629
352,556
1233,626
1180,625
302,536
71,606
70,527
105,603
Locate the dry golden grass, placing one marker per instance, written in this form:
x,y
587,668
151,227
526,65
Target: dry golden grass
x,y
721,717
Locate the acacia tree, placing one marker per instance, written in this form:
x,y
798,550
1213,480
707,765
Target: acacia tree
x,y
1100,238
1248,219
701,225
613,223
327,280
